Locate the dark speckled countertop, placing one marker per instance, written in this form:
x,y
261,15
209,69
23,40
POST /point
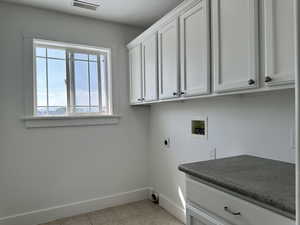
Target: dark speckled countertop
x,y
265,182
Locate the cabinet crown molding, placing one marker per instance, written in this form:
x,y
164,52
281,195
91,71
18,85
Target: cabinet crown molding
x,y
181,8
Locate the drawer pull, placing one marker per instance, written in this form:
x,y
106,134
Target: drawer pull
x,y
231,212
268,79
251,82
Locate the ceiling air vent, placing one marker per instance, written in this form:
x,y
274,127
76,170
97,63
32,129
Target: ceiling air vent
x,y
87,4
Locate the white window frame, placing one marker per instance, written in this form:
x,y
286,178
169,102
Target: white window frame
x,y
32,120
73,48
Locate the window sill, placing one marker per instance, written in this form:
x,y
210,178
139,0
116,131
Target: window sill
x,y
70,120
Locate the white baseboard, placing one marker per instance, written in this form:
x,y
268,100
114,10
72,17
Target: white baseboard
x,y
76,208
172,208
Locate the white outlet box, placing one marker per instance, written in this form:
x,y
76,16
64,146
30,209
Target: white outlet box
x,y
199,127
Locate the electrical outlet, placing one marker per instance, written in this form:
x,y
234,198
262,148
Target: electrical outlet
x,y
213,153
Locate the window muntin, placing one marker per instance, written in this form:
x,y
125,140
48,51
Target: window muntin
x,y
70,80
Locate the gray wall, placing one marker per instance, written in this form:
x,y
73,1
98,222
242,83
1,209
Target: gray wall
x,y
41,168
257,124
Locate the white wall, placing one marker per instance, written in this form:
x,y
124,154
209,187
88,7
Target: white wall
x,y
41,168
257,124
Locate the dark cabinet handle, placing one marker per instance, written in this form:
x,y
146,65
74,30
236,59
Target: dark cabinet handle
x,y
226,208
251,81
182,93
175,93
140,99
268,79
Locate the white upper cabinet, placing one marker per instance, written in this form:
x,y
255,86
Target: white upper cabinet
x,y
135,69
211,47
149,51
195,48
168,46
279,42
235,44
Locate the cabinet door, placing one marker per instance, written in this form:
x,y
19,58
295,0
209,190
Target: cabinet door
x,y
235,44
194,45
135,69
150,68
279,42
168,46
196,216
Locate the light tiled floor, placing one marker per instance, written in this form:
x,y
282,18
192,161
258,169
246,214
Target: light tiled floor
x,y
137,213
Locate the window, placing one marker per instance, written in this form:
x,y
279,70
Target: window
x,y
71,79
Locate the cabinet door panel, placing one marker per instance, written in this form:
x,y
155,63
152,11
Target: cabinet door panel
x,y
235,44
135,67
150,68
279,42
168,60
195,72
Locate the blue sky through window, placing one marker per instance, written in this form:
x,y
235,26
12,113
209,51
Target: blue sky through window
x,y
56,82
41,82
81,83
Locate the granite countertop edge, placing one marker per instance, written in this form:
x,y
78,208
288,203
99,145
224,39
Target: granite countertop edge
x,y
244,194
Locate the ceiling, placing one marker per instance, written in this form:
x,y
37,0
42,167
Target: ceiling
x,y
133,12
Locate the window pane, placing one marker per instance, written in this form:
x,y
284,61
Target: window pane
x,y
81,56
41,82
81,83
56,53
94,83
81,109
41,111
94,109
40,52
92,57
57,110
56,82
103,83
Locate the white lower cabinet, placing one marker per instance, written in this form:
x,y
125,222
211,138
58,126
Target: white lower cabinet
x,y
198,216
209,206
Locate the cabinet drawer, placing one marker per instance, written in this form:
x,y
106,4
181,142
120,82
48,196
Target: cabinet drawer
x,y
198,216
215,201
